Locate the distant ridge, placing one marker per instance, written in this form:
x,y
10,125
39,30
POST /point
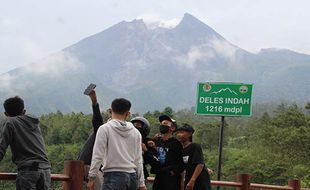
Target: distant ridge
x,y
154,68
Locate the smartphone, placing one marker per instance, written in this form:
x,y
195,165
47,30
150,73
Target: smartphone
x,y
89,89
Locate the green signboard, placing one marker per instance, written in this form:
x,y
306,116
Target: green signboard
x,y
224,99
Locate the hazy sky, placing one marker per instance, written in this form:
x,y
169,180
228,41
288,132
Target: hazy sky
x,y
33,29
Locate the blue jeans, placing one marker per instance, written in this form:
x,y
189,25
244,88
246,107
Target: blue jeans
x,y
119,181
33,180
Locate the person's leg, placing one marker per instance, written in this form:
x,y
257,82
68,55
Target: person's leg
x,y
173,182
157,185
203,182
166,182
115,181
133,181
44,182
27,180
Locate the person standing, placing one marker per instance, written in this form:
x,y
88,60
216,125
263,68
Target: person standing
x,y
196,173
23,134
118,148
87,150
167,164
143,126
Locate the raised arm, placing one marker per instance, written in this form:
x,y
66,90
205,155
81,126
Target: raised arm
x,y
97,120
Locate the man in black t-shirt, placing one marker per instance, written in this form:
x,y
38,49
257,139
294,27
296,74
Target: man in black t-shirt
x,y
196,174
166,158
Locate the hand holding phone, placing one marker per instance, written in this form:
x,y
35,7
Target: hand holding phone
x,y
89,89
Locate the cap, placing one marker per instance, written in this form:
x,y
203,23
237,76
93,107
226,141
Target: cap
x,y
165,117
187,128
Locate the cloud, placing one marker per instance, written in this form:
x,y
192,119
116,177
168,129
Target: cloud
x,y
55,65
22,48
6,84
5,80
6,24
207,51
195,54
152,22
225,49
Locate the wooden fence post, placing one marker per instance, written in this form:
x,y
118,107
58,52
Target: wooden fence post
x,y
75,170
244,179
295,184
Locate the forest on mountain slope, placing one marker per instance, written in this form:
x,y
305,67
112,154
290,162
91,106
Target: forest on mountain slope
x,y
273,146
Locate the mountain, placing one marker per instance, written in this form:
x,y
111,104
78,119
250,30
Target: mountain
x,y
154,68
224,90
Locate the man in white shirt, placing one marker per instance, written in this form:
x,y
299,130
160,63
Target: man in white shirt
x,y
118,149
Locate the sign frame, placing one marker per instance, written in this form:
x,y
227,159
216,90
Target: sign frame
x,y
228,84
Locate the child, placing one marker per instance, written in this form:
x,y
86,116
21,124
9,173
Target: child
x,y
196,174
24,136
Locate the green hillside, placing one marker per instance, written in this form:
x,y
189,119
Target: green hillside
x,y
273,147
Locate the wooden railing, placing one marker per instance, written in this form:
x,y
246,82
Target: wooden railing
x,y
72,177
74,174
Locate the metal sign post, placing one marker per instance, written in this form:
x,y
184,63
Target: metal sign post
x,y
219,162
223,99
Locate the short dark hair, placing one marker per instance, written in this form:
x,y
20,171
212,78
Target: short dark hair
x,y
14,106
120,105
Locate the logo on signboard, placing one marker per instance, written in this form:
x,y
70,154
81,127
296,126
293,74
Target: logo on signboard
x,y
224,90
243,89
207,87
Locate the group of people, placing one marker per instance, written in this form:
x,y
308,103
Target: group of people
x,y
115,155
121,155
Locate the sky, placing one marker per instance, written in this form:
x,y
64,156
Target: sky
x,y
33,29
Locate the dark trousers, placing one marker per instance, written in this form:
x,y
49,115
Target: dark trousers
x,y
33,180
202,182
165,181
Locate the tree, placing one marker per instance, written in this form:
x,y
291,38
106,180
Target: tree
x,y
168,111
308,106
291,116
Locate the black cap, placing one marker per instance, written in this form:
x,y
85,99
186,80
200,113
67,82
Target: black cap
x,y
187,128
165,117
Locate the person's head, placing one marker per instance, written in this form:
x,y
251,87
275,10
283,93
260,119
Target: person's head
x,y
185,133
137,124
14,106
142,125
167,124
120,108
150,143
